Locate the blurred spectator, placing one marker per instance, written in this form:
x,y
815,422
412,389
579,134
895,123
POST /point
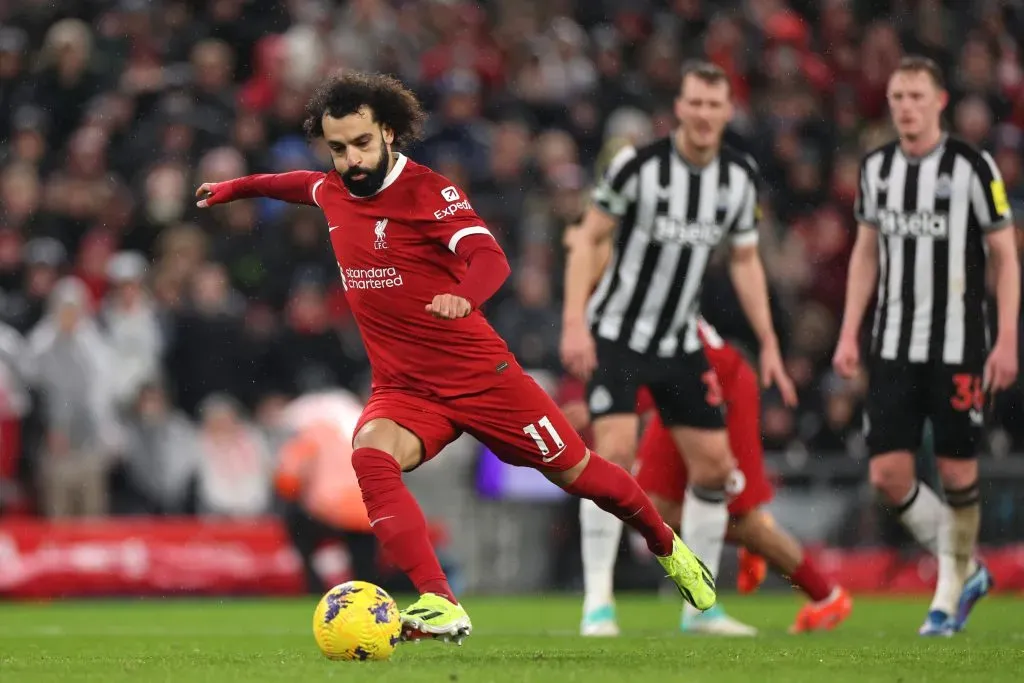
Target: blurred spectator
x,y
457,130
206,352
66,80
161,455
131,326
234,461
72,367
13,48
43,258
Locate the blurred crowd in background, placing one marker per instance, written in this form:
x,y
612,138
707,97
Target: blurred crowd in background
x,y
147,348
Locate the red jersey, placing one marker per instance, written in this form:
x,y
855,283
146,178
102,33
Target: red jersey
x,y
397,250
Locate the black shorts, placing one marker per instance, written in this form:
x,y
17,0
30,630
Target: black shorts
x,y
901,396
679,386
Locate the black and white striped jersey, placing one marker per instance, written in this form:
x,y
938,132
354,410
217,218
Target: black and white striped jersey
x,y
671,216
931,214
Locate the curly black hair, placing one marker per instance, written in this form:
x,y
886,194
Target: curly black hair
x,y
393,105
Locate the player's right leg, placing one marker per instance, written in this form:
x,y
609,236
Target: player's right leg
x,y
397,432
523,426
958,416
611,398
894,420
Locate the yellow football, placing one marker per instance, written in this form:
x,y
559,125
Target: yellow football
x,y
357,621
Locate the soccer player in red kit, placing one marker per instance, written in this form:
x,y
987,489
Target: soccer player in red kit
x,y
661,472
417,263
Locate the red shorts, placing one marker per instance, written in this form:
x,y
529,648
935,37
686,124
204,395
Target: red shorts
x,y
660,469
515,419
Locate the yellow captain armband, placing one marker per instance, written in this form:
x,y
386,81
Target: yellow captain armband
x,y
999,198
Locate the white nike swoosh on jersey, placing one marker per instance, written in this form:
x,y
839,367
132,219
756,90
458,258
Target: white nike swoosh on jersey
x,y
332,228
546,460
380,520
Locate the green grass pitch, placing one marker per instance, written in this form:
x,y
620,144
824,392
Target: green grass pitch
x,y
515,639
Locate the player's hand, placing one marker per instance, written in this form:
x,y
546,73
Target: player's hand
x,y
449,307
211,194
847,358
578,351
1000,368
774,372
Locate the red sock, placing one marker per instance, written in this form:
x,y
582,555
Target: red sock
x,y
811,581
616,492
398,521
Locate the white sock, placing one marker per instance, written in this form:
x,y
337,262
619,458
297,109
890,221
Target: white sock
x,y
930,521
705,518
600,533
958,537
948,586
922,512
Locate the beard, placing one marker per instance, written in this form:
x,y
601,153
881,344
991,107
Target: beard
x,y
374,178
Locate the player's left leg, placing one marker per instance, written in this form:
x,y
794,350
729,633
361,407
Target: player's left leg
x,y
523,426
830,604
958,411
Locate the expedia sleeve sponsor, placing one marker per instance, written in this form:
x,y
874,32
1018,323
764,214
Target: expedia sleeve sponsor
x,y
452,208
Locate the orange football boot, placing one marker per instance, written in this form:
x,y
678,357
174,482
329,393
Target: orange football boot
x,y
824,615
752,571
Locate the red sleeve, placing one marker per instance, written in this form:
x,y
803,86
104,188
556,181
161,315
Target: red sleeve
x,y
450,219
294,187
488,269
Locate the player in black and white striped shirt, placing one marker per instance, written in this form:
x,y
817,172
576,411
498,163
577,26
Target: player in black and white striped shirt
x,y
664,208
932,215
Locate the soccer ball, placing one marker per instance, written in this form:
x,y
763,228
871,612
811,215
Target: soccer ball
x,y
357,620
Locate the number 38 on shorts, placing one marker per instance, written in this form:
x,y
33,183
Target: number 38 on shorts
x,y
902,396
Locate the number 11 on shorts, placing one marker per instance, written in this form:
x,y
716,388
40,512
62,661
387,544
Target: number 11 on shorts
x,y
534,433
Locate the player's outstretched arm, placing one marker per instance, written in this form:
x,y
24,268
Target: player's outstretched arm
x,y
590,240
294,187
860,285
1001,368
747,274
